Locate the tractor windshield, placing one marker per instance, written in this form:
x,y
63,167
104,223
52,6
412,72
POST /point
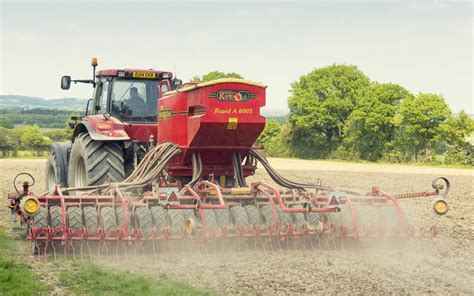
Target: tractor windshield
x,y
135,100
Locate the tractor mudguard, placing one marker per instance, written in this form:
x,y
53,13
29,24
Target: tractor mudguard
x,y
101,129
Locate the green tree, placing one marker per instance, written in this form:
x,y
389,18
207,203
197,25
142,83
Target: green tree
x,y
456,132
271,131
215,75
5,142
6,122
370,128
421,125
33,139
320,104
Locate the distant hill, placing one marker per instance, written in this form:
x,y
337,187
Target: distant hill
x,y
25,102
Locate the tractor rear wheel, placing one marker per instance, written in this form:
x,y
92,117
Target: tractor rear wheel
x,y
94,162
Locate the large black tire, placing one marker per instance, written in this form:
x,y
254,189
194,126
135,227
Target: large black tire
x,y
144,220
176,221
239,216
74,218
55,218
95,162
91,220
108,219
56,169
254,215
158,215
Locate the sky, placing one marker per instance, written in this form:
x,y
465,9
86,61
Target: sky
x,y
423,46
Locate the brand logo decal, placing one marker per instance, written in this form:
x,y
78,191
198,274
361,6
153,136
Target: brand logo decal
x,y
227,95
165,114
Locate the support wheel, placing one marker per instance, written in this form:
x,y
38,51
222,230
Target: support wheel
x,y
158,215
239,216
176,221
144,220
108,220
119,212
74,218
223,218
254,215
91,220
55,218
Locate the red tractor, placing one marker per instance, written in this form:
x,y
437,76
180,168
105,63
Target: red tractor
x,y
154,161
119,127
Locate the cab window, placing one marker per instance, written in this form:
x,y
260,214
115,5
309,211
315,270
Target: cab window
x,y
135,100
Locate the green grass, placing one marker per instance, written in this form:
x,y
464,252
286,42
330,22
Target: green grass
x,y
16,278
90,279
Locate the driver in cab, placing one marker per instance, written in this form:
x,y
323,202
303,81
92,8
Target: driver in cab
x,y
135,105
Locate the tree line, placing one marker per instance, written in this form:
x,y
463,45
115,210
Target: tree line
x,y
337,112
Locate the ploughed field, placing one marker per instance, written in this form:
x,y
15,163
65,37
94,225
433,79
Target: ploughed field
x,y
443,265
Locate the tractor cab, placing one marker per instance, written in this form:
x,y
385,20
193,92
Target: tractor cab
x,y
130,95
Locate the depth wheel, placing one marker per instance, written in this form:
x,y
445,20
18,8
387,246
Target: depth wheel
x,y
41,222
176,221
55,218
223,218
108,220
119,212
91,220
239,216
74,218
158,215
254,215
144,220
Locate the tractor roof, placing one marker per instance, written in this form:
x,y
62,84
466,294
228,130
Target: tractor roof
x,y
135,73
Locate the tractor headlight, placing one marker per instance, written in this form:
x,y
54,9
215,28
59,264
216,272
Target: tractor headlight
x,y
440,206
29,205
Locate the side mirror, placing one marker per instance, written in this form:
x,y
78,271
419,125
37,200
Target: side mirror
x,y
66,82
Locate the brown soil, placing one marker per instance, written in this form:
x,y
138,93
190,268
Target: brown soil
x,y
443,265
